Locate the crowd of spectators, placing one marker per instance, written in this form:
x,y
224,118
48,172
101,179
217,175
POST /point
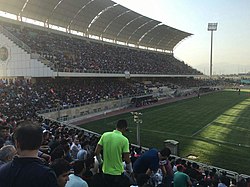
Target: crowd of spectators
x,y
69,152
68,53
183,82
23,98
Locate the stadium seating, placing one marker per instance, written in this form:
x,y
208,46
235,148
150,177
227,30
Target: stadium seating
x,y
70,54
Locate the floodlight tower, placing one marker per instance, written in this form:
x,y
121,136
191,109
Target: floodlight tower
x,y
137,121
211,27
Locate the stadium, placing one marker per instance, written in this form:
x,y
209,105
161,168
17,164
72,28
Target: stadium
x,y
77,67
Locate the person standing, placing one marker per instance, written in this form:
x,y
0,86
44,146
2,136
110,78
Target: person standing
x,y
27,169
75,148
115,148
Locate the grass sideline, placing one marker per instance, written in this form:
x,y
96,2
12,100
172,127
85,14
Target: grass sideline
x,y
215,128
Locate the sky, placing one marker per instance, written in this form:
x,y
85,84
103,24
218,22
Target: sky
x,y
231,41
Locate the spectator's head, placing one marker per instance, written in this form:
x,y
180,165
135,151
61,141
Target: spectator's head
x,y
61,168
4,131
164,153
7,153
58,138
79,167
76,140
180,167
28,136
195,165
45,134
4,134
58,152
178,161
214,170
122,125
223,179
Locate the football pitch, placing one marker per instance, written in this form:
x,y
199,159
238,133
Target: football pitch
x,y
214,128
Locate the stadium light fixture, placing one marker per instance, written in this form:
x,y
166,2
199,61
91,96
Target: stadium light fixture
x,y
211,27
137,121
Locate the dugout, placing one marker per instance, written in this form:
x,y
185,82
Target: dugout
x,y
143,100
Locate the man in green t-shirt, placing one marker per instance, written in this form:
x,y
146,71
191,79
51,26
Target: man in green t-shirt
x,y
181,179
115,148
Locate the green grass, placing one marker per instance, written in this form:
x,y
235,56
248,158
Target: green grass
x,y
215,128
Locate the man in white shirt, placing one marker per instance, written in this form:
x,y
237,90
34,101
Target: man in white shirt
x,y
75,180
75,147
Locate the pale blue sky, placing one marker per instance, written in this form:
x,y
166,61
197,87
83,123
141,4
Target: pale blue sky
x,y
231,52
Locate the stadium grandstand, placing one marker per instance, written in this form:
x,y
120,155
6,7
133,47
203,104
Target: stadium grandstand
x,y
63,62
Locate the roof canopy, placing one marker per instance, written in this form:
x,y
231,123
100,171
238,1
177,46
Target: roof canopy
x,y
102,18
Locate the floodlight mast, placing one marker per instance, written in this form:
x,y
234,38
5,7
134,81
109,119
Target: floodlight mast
x,y
211,27
137,121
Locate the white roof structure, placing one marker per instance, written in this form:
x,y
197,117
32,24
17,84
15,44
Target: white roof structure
x,y
101,18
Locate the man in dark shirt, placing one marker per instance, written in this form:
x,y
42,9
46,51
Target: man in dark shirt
x,y
27,169
149,161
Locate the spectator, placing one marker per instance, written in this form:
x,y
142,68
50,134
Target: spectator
x,y
114,146
75,148
149,161
62,169
27,169
54,143
66,148
91,169
214,177
181,179
207,179
7,154
167,172
224,180
58,152
195,173
82,153
4,135
75,180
